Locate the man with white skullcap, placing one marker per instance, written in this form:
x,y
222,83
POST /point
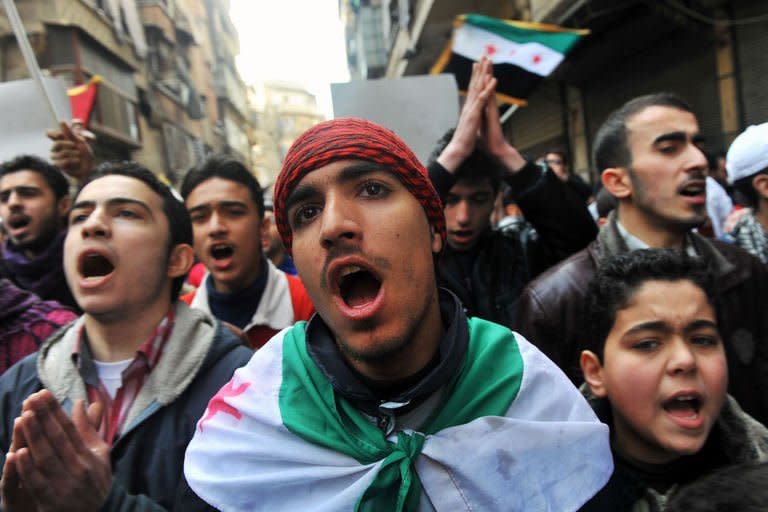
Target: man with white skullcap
x,y
747,166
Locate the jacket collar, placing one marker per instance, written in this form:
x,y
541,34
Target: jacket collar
x,y
183,356
610,242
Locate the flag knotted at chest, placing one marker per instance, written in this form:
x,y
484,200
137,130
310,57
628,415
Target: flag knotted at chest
x,y
354,139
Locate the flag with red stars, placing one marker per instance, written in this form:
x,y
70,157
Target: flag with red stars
x,y
523,53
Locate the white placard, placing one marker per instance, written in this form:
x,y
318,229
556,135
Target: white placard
x,y
420,109
26,117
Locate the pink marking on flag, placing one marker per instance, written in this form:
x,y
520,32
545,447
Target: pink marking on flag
x,y
217,403
490,50
536,59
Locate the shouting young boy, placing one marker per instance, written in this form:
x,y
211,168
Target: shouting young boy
x,y
656,373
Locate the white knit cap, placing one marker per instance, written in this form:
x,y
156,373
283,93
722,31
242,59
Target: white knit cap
x,y
748,154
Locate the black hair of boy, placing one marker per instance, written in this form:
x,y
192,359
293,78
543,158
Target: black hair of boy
x,y
475,168
227,168
179,222
52,176
618,278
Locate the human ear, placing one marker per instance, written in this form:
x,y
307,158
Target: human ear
x,y
180,260
63,206
437,240
760,184
616,181
593,373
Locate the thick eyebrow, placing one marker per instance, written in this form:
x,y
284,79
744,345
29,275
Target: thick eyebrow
x,y
226,204
671,136
678,137
700,324
657,326
350,173
114,201
663,327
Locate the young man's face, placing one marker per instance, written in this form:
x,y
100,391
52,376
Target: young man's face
x,y
555,162
668,169
31,214
363,247
468,213
227,230
271,243
664,372
116,253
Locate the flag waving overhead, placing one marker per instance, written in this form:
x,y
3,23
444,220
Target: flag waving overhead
x,y
82,99
522,53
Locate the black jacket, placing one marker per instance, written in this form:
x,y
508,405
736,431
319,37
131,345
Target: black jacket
x,y
506,261
148,458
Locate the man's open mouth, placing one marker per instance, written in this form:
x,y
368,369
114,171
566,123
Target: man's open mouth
x,y
221,252
94,265
357,286
683,406
693,189
18,221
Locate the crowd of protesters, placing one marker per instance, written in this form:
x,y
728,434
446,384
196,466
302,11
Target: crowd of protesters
x,y
486,332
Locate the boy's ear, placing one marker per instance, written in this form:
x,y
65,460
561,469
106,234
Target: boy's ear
x,y
616,181
593,373
180,260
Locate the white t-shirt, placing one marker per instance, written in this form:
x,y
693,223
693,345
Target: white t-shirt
x,y
111,375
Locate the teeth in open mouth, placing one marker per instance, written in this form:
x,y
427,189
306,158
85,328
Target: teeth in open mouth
x,y
351,269
681,405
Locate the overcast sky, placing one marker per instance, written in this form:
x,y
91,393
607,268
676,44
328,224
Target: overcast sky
x,y
299,41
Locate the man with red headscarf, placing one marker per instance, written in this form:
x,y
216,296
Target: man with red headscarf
x,y
377,401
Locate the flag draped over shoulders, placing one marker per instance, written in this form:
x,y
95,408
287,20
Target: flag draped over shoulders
x,y
511,433
523,53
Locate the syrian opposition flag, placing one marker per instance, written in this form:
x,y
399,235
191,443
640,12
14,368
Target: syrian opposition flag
x,y
509,432
523,53
82,99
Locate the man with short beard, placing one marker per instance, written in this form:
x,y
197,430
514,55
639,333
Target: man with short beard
x,y
389,398
34,201
649,153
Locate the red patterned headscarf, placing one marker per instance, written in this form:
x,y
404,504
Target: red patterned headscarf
x,y
354,139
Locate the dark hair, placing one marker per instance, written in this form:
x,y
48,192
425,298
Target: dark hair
x,y
477,167
178,219
745,192
739,487
605,202
557,151
52,175
618,278
610,148
222,166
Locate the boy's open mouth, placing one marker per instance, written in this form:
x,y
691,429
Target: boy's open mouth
x,y
683,406
357,286
221,252
95,265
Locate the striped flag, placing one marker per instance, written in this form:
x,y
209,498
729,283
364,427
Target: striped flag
x,y
523,53
510,433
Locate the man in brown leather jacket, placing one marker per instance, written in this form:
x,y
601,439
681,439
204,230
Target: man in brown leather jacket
x,y
650,157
